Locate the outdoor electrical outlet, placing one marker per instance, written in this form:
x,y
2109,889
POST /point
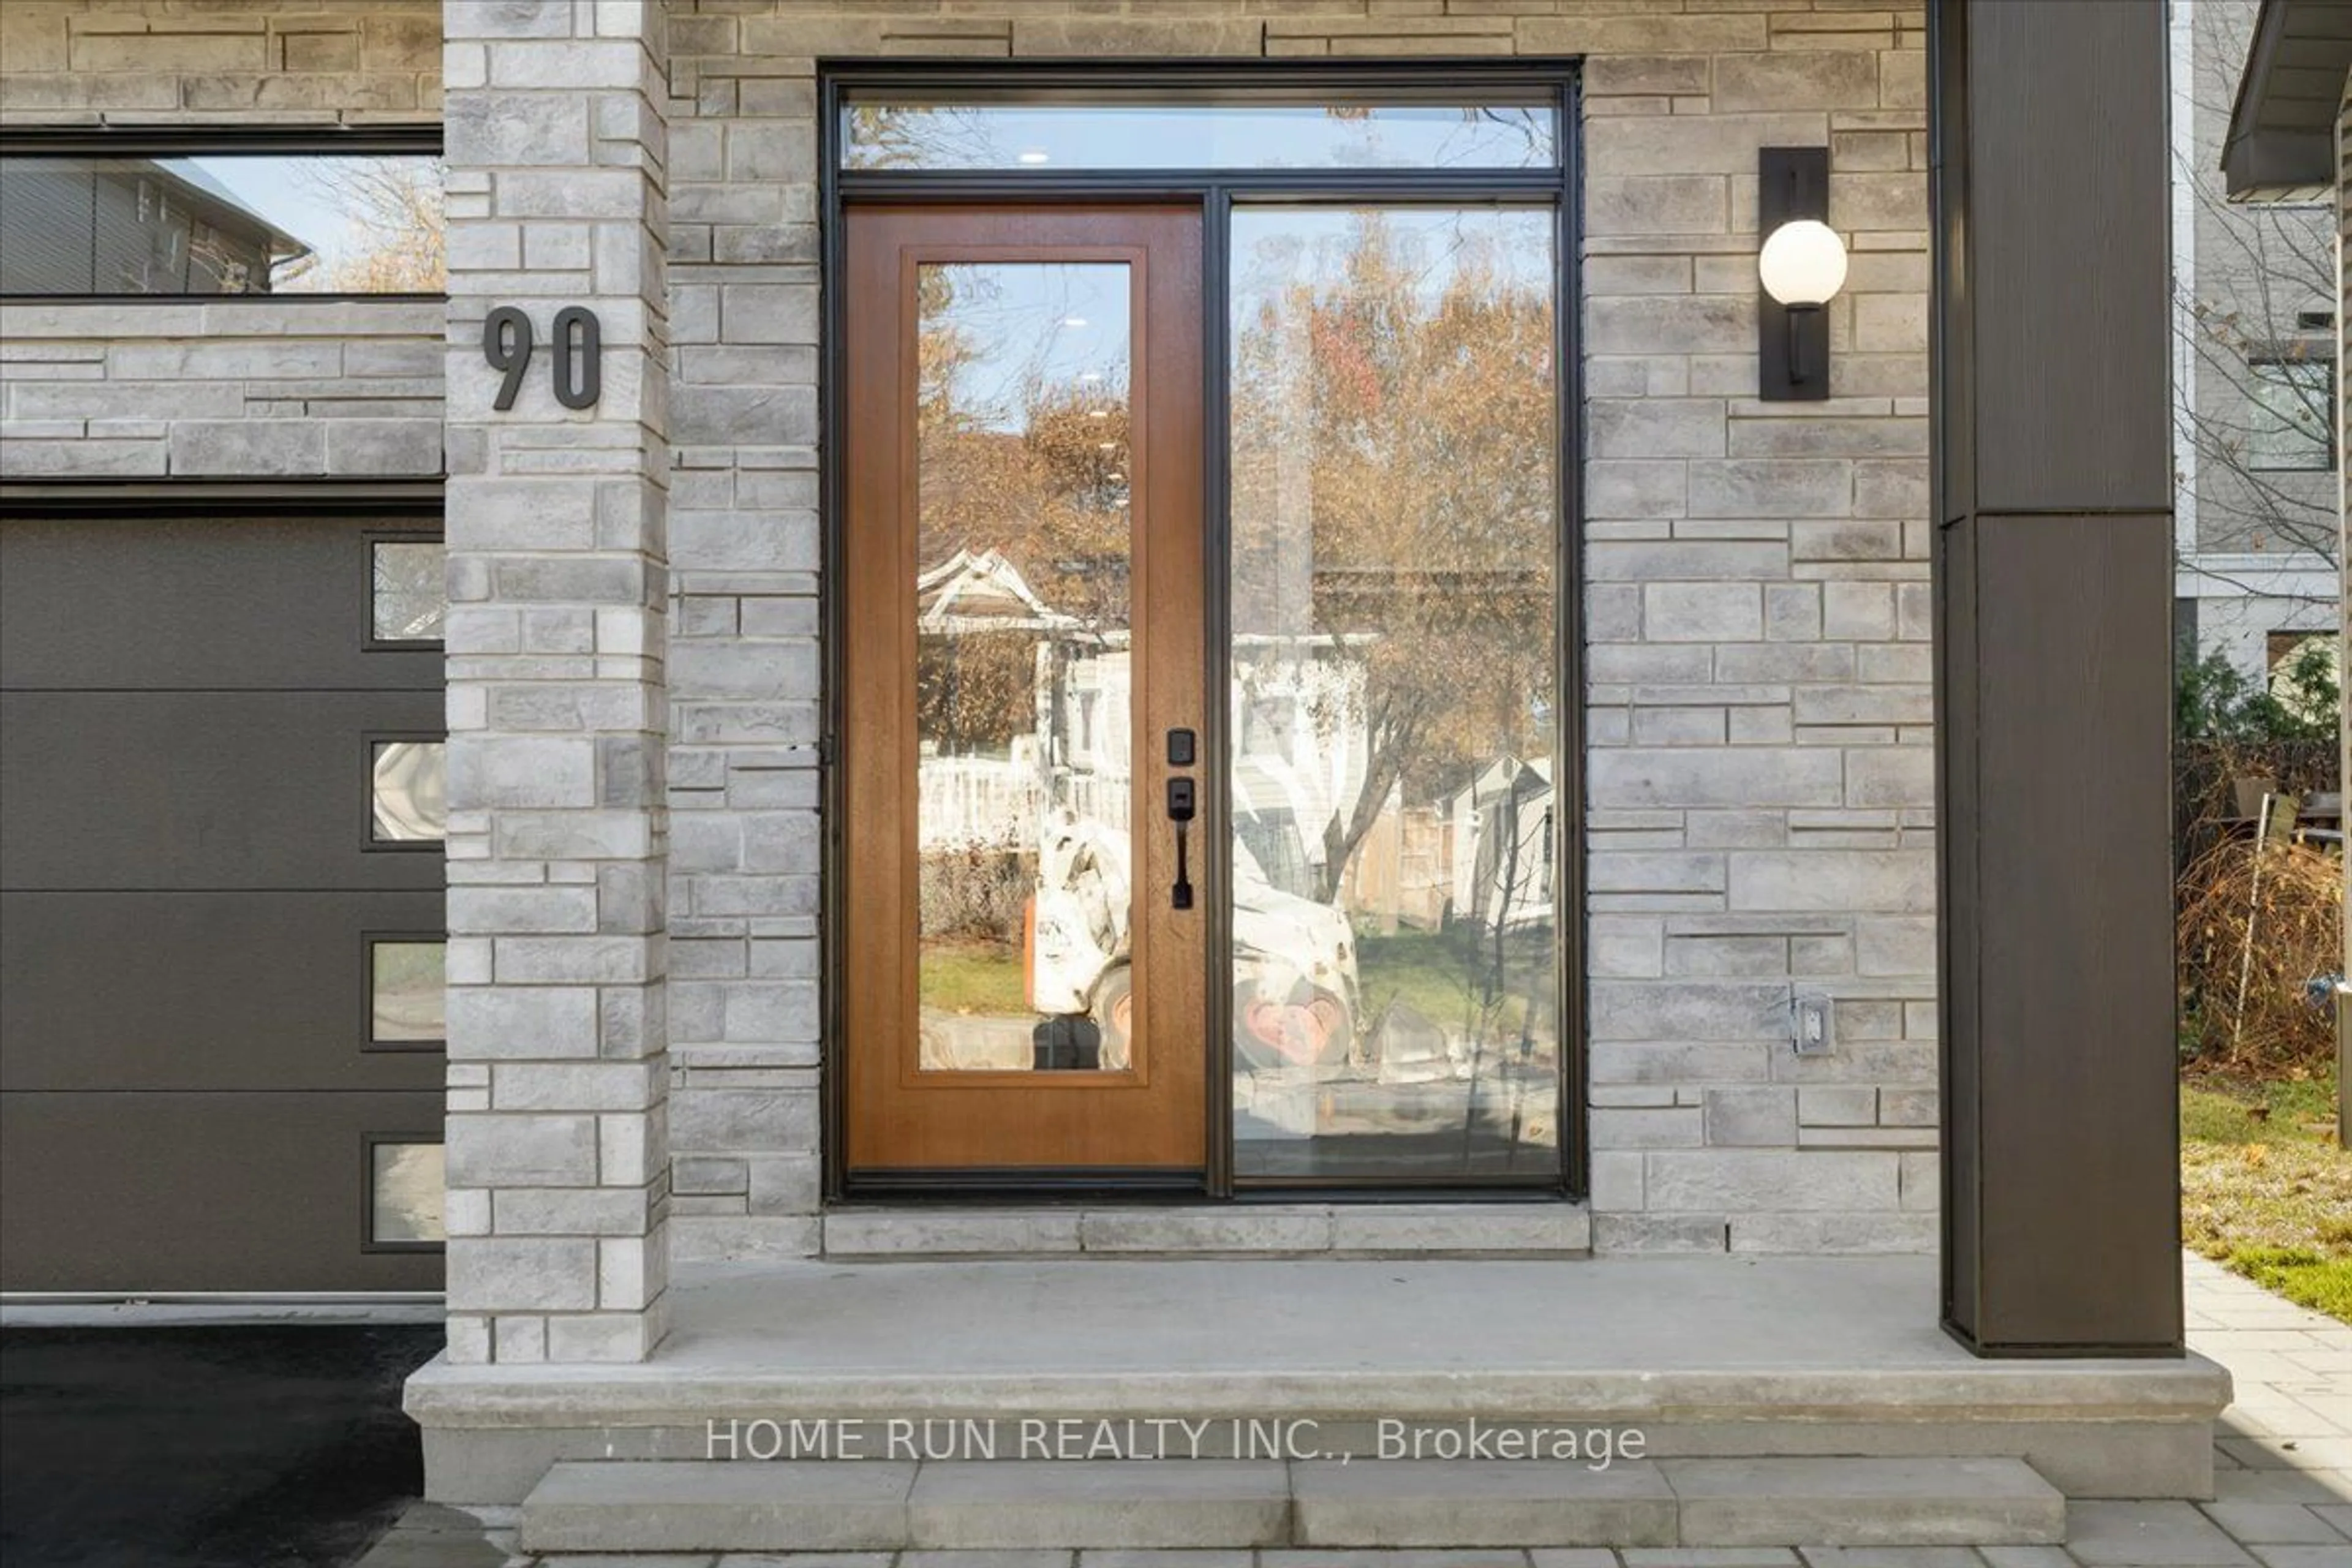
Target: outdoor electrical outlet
x,y
1808,1025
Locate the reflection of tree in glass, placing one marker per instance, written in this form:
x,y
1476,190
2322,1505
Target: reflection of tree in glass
x,y
410,595
1025,455
1394,451
394,206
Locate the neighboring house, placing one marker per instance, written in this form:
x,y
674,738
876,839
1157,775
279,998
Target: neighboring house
x,y
2290,141
2254,375
1435,340
138,226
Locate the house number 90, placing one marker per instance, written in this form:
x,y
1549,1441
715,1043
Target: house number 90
x,y
579,348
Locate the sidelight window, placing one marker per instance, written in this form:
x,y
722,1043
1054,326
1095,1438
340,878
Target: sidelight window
x,y
1393,598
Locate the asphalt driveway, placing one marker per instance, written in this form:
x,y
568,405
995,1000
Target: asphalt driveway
x,y
279,1447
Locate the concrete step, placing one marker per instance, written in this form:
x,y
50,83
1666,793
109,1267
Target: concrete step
x,y
1865,1502
1706,1358
618,1506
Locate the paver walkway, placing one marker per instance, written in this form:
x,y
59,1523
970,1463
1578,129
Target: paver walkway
x,y
2282,1491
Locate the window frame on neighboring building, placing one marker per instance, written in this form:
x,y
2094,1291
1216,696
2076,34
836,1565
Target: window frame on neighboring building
x,y
2289,357
412,140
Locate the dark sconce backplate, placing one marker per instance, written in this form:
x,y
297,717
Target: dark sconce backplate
x,y
1792,346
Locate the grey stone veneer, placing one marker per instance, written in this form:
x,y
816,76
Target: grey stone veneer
x,y
1755,610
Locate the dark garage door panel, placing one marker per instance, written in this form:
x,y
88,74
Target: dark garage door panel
x,y
199,1192
200,991
90,604
134,790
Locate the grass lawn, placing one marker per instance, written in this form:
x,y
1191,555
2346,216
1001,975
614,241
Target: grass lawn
x,y
981,977
1441,975
2265,1190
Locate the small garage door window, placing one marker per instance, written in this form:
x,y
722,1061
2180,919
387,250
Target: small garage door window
x,y
411,798
404,1193
407,590
405,1001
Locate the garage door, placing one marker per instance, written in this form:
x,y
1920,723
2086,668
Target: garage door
x,y
220,904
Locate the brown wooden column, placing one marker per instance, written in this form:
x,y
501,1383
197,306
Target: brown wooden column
x,y
2052,498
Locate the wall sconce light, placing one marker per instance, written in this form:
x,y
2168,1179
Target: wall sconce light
x,y
1799,269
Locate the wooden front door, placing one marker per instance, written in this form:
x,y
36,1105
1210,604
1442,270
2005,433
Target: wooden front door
x,y
1023,968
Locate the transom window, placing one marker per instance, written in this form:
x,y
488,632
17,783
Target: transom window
x,y
1326,131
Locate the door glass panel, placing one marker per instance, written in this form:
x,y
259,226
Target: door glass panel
x,y
1394,471
1321,133
1024,673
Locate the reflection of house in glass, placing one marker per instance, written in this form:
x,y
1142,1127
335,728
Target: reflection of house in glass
x,y
134,226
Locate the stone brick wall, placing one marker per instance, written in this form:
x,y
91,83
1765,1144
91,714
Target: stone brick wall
x,y
1758,613
152,62
180,387
557,635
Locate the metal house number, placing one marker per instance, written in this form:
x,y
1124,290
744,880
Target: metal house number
x,y
579,353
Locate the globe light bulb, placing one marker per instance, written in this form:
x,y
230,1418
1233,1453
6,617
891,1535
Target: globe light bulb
x,y
1802,263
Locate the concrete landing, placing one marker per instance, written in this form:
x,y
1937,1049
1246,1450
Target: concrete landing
x,y
893,1505
1705,1358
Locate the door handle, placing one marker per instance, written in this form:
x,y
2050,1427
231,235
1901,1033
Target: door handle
x,y
1182,803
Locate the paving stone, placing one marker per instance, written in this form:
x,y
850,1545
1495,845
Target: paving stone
x,y
2146,1534
1865,1502
2335,1556
428,1548
1893,1557
1496,1557
1710,1557
1032,1557
804,1559
1174,1557
2026,1556
1481,1503
622,1506
1105,1502
2271,1524
2233,1485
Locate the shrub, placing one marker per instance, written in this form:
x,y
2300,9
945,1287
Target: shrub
x,y
974,892
2298,934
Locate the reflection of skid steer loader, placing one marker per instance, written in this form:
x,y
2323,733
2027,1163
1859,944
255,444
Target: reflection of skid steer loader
x,y
1294,959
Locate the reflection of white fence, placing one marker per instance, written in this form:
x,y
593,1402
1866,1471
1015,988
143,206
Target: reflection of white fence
x,y
968,801
977,800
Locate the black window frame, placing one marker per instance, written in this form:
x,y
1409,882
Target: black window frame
x,y
139,141
1436,80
